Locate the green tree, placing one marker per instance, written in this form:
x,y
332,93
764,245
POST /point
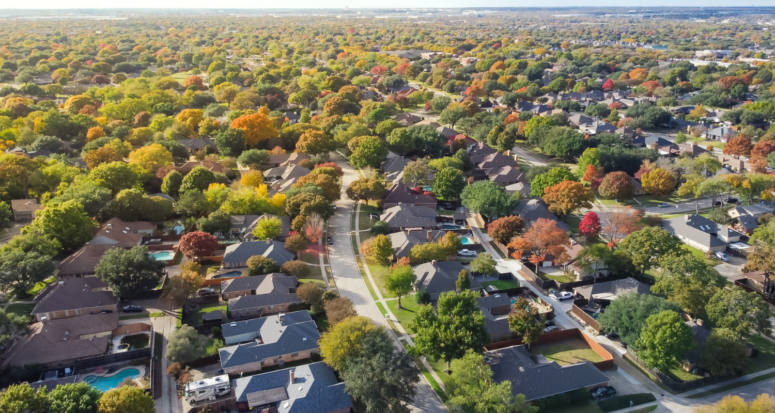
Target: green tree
x,y
591,156
370,151
67,223
130,272
381,249
33,241
171,183
484,264
269,228
448,183
439,103
740,311
199,178
230,142
20,398
646,246
218,221
451,243
126,399
416,173
551,178
185,345
92,196
345,340
723,354
488,198
463,283
664,341
74,398
451,116
5,214
448,334
258,264
423,253
628,313
20,271
684,279
253,158
117,175
472,389
12,326
400,282
524,320
593,257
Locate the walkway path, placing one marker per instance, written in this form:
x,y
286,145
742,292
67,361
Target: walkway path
x,y
351,285
169,402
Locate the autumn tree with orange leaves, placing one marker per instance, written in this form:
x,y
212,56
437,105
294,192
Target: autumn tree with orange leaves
x,y
658,181
257,127
762,149
740,145
567,196
542,239
619,223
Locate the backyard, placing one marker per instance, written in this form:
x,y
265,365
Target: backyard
x,y
500,284
20,309
137,341
558,277
195,317
566,352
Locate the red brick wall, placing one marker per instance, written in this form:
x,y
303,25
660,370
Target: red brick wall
x,y
131,329
561,335
256,366
58,315
235,294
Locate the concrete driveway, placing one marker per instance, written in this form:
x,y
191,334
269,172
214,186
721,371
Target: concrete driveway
x,y
732,270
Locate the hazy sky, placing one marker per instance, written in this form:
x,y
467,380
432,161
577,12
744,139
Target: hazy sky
x,y
72,4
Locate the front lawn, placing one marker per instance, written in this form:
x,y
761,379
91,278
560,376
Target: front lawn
x,y
566,352
682,375
195,317
41,285
379,273
20,309
765,359
315,275
701,255
365,221
501,284
573,222
309,257
407,313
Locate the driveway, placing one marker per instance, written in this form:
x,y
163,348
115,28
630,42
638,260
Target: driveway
x,y
732,270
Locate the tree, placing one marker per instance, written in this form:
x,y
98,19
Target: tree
x,y
448,334
448,183
451,116
463,283
310,294
314,142
524,320
126,399
591,156
472,389
740,145
12,326
379,375
439,103
400,140
366,189
484,264
230,142
296,243
198,244
619,223
151,157
257,127
416,173
553,177
688,281
252,178
543,238
130,272
198,178
186,345
723,354
253,158
297,268
451,243
74,398
269,228
654,347
590,225
502,230
116,176
423,253
740,311
487,198
20,398
182,286
66,223
105,154
400,281
367,151
338,309
568,196
591,258
382,249
20,271
616,185
258,264
646,246
345,339
658,181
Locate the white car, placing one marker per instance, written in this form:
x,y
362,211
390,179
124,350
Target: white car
x,y
550,329
562,295
722,256
466,253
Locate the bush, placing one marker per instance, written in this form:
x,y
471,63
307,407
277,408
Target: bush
x,y
621,402
296,267
564,399
217,333
174,370
329,295
315,357
380,228
422,297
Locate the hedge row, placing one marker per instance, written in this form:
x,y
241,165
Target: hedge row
x,y
621,402
561,400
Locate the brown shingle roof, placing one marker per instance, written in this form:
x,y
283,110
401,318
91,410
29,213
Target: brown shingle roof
x,y
25,205
76,293
85,259
402,193
211,165
124,232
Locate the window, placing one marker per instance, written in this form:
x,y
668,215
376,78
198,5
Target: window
x,y
294,354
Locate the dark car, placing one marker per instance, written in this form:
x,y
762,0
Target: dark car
x,y
603,392
732,200
133,309
549,323
612,335
330,241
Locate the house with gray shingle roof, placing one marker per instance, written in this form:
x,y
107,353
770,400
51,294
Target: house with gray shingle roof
x,y
311,388
276,342
237,255
721,133
611,290
393,168
701,233
75,297
530,210
400,194
439,277
402,217
249,330
538,379
403,241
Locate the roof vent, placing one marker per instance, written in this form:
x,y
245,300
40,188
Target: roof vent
x,y
233,325
304,339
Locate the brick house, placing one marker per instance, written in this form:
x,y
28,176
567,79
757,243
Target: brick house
x,y
83,261
117,231
400,194
75,297
24,209
275,283
237,255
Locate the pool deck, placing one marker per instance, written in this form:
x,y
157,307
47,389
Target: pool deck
x,y
81,377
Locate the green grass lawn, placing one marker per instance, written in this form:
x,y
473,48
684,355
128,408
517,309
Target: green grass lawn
x,y
315,275
766,357
573,222
431,380
586,407
653,200
321,321
701,255
41,285
439,366
567,352
498,250
309,257
213,346
501,284
682,375
195,317
407,313
561,278
379,273
20,309
365,221
365,279
137,341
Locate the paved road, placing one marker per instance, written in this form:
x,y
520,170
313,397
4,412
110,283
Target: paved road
x,y
352,285
169,402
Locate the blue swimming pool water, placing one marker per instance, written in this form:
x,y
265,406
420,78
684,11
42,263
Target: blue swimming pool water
x,y
451,226
466,241
178,229
107,383
592,314
162,255
229,274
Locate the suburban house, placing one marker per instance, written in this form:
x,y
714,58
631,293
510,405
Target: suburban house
x,y
701,233
521,187
721,133
281,178
401,217
212,166
403,241
285,159
193,145
479,151
82,262
663,146
274,283
438,277
57,343
495,161
400,194
393,168
249,330
24,209
242,225
276,343
580,121
747,216
530,210
273,295
691,148
311,388
407,119
506,175
599,127
116,231
236,255
75,297
538,379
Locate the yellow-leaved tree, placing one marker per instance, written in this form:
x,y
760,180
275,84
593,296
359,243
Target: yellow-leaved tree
x,y
257,127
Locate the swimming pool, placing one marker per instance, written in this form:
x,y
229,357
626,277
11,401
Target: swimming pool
x,y
162,255
591,313
230,274
452,226
467,241
111,382
178,229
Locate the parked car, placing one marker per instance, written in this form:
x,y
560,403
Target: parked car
x,y
562,295
603,392
612,335
132,309
663,205
333,205
722,256
330,241
731,200
550,329
549,323
202,292
466,253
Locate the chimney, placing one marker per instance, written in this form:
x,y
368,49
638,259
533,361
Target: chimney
x,y
687,217
698,321
508,152
281,316
433,263
268,241
430,235
293,376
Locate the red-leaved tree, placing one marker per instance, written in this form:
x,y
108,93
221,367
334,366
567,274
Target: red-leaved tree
x,y
504,229
198,244
542,239
608,85
590,225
